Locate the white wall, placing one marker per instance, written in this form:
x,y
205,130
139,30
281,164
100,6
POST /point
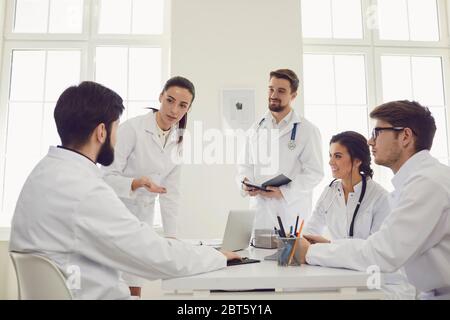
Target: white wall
x,y
226,44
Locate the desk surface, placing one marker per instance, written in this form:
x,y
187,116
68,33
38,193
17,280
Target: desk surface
x,y
268,275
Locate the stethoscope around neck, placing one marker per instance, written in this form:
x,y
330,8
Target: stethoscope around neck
x,y
291,143
361,197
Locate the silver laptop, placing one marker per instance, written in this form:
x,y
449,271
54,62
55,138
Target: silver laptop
x,y
238,231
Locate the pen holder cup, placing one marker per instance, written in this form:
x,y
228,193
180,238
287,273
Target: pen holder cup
x,y
288,251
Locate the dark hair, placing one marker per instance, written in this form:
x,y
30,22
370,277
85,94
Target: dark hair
x,y
287,74
357,147
188,85
409,114
80,109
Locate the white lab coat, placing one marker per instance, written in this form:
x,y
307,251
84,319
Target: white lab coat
x,y
334,215
415,235
303,165
67,213
331,211
139,152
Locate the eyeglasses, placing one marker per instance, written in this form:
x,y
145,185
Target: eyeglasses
x,y
376,131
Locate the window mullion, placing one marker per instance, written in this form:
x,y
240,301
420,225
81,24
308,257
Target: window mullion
x,y
331,19
412,78
128,80
131,16
43,98
49,5
335,92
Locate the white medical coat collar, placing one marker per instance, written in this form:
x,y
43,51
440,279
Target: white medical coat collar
x,y
409,167
150,127
285,120
356,188
74,157
291,116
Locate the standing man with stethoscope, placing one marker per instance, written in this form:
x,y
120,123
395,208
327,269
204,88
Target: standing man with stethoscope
x,y
282,142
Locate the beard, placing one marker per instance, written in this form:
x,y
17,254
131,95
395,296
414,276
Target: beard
x,y
276,107
393,156
106,155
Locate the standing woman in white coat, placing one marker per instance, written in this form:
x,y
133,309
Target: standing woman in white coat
x,y
144,165
353,205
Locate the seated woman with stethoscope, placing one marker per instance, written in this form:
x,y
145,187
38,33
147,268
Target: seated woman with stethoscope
x,y
352,205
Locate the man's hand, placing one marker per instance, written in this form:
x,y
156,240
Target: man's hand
x,y
273,193
149,185
252,192
231,255
313,238
303,247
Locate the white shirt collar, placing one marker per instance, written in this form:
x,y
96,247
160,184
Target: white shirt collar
x,y
268,119
409,167
356,188
152,127
283,121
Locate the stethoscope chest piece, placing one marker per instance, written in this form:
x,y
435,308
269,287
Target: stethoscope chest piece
x,y
291,145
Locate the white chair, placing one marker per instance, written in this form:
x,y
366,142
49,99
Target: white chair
x,y
38,278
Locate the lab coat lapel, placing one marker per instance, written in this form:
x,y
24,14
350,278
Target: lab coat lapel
x,y
150,128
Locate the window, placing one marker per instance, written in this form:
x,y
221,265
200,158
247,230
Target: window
x,y
415,20
47,16
52,44
134,72
398,49
37,79
337,19
418,78
136,17
335,86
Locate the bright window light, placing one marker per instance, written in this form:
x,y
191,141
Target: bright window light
x,y
414,20
419,78
134,73
48,16
335,97
338,19
136,17
38,77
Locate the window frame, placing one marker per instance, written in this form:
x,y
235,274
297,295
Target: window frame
x,y
86,42
373,48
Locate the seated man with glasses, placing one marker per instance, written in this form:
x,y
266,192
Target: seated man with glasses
x,y
376,131
416,234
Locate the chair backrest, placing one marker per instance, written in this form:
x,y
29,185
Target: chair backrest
x,y
38,278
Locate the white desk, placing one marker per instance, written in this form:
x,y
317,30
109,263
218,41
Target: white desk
x,y
294,282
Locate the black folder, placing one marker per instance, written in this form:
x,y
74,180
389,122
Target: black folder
x,y
278,181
